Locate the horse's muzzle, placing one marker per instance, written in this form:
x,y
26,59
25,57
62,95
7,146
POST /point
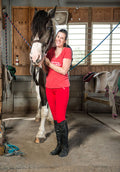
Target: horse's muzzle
x,y
37,61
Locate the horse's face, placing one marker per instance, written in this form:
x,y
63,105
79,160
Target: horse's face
x,y
36,51
43,33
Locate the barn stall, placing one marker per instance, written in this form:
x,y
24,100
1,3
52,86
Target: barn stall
x,y
21,16
83,20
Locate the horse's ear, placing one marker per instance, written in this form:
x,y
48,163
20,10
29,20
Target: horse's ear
x,y
35,10
52,12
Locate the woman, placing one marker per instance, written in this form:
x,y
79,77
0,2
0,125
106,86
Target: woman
x,y
58,61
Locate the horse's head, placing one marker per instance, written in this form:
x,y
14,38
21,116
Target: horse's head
x,y
43,31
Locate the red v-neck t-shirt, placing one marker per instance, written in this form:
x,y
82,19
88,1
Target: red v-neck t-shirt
x,y
55,79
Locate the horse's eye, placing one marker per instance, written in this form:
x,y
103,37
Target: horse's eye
x,y
48,28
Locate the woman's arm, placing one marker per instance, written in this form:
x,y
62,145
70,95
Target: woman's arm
x,y
62,70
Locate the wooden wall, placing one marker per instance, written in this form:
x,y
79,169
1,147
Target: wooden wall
x,y
0,59
21,20
22,17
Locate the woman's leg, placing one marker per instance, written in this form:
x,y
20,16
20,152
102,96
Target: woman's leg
x,y
62,98
58,108
51,101
51,97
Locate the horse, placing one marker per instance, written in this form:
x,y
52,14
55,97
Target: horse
x,y
43,31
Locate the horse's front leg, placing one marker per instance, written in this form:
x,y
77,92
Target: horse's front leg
x,y
50,117
38,115
41,137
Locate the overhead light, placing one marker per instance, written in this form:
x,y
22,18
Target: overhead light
x,y
61,16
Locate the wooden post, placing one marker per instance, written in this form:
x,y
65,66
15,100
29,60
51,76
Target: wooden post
x,y
0,62
89,35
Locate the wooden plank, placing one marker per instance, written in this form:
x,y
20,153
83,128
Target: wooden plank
x,y
20,48
89,41
116,14
102,14
0,59
78,14
22,70
83,69
98,100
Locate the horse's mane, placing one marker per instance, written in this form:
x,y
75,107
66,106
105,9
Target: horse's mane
x,y
40,19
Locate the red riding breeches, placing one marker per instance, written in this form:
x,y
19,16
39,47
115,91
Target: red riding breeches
x,y
58,100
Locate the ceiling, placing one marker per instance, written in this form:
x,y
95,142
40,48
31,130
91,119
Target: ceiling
x,y
89,3
62,3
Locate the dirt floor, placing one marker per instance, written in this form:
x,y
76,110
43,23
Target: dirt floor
x,y
94,145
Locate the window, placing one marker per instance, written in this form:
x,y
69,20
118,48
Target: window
x,y
108,52
76,40
115,55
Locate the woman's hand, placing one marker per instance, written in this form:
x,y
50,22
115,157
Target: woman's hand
x,y
62,70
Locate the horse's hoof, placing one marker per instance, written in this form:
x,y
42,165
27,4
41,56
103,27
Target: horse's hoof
x,y
37,119
39,140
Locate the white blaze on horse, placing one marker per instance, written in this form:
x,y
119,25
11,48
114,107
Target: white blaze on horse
x,y
43,31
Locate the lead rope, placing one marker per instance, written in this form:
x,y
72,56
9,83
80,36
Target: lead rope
x,y
7,17
10,69
6,40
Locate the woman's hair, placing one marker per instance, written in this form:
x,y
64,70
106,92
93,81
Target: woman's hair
x,y
66,34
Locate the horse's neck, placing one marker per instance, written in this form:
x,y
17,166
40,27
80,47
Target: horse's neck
x,y
35,74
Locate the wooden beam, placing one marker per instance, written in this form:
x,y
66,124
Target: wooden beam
x,y
98,100
0,58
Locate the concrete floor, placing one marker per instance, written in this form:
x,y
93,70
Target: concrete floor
x,y
94,142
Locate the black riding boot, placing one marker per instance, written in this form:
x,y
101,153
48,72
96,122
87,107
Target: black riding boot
x,y
64,139
57,150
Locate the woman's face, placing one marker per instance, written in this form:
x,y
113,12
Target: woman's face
x,y
60,39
